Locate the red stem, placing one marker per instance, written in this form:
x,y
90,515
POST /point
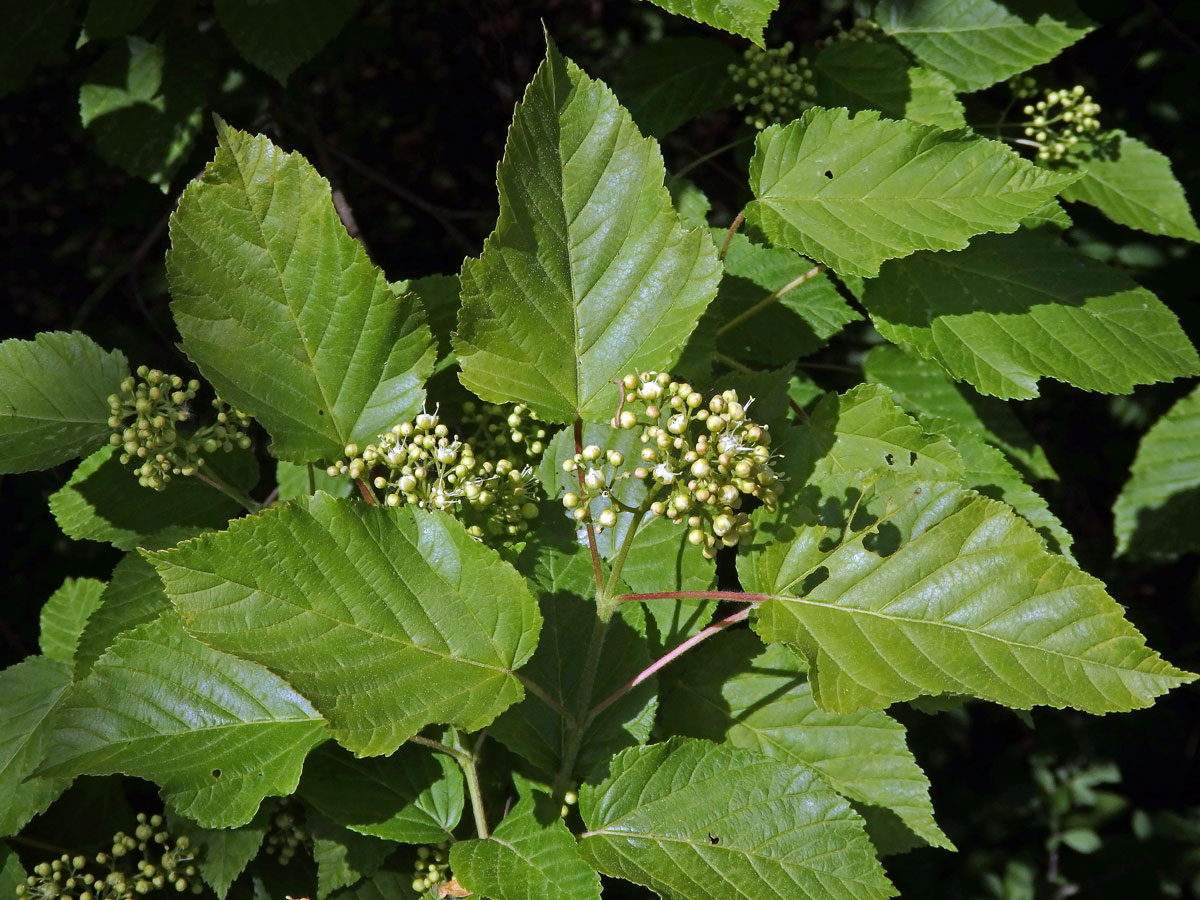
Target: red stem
x,y
591,532
367,493
738,219
667,658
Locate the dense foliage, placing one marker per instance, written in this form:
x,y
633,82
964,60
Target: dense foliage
x,y
666,540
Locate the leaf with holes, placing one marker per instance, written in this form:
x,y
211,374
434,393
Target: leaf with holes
x,y
693,820
589,273
403,618
282,310
216,733
853,191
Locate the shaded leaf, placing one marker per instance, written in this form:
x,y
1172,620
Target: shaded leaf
x,y
745,17
879,76
344,857
1155,515
403,618
698,821
414,795
107,19
589,273
102,501
293,481
64,616
54,398
855,191
223,853
755,328
279,35
674,80
439,295
1132,185
216,733
34,35
977,43
133,596
530,856
144,102
733,691
282,310
12,873
29,693
1011,309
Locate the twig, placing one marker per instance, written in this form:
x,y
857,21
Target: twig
x,y
700,160
367,493
215,481
591,532
101,291
538,691
737,221
769,299
667,658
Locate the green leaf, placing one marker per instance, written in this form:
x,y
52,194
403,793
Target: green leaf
x,y
29,693
216,733
745,17
1155,515
535,730
293,481
404,620
384,885
223,853
530,856
12,873
988,472
107,19
1051,215
133,597
852,192
278,36
343,857
102,501
672,81
414,796
1132,185
282,310
1011,309
923,386
439,295
977,43
64,616
879,76
926,588
33,35
589,273
755,328
54,398
698,821
690,202
144,102
733,691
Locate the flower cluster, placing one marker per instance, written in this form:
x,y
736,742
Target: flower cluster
x,y
773,87
500,433
422,463
287,836
863,30
145,415
704,456
161,865
431,868
1023,86
1058,121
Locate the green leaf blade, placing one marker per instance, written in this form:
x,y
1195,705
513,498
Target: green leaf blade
x,y
282,310
216,733
977,43
54,398
1155,514
745,17
530,856
853,192
700,821
65,615
1011,309
405,620
564,299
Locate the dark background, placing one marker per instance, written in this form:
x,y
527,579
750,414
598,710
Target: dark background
x,y
406,113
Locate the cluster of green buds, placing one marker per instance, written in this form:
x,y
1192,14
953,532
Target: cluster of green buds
x,y
1059,120
1023,86
705,456
432,867
287,836
863,30
504,432
160,865
599,471
422,463
773,87
145,415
